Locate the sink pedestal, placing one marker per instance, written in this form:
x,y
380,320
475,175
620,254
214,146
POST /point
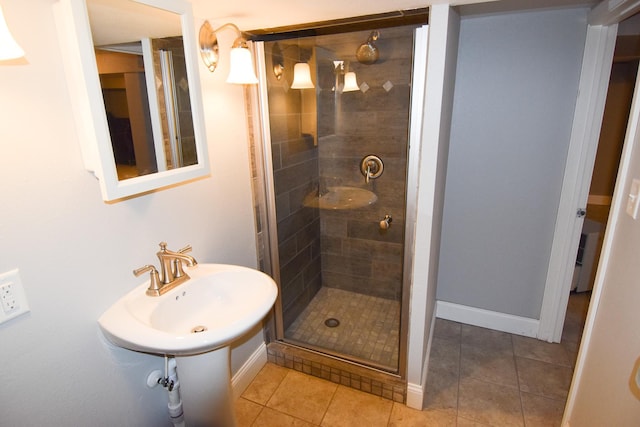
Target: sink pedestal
x,y
205,389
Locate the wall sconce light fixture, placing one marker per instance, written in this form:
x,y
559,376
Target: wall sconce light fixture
x,y
278,61
302,76
9,49
301,70
350,82
241,69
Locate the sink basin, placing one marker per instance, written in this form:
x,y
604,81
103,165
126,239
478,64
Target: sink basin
x,y
342,197
218,304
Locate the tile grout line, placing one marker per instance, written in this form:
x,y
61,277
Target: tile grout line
x,y
262,406
515,364
270,397
459,375
543,361
333,396
389,416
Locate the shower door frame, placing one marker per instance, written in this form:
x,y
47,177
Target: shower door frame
x,y
264,165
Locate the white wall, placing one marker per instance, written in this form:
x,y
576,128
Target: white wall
x,y
601,392
515,94
76,253
442,47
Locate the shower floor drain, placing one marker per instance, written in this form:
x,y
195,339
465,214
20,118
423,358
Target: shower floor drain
x,y
332,322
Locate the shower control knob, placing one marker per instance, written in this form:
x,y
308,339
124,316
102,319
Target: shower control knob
x,y
371,167
386,222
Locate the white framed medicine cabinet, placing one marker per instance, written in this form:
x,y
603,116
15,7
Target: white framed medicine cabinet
x,y
133,78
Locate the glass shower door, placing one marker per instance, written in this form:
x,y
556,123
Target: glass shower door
x,y
339,159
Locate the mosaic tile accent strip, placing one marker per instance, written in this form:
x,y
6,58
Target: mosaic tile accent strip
x,y
360,378
369,326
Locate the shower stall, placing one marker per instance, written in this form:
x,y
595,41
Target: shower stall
x,y
335,161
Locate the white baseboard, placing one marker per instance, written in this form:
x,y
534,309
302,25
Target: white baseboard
x,y
248,371
415,396
416,393
487,319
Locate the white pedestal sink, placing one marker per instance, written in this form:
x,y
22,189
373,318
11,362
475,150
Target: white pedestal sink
x,y
195,322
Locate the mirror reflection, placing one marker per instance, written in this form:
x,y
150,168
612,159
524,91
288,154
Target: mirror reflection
x,y
143,77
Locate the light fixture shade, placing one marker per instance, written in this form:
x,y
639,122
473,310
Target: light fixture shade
x,y
241,69
302,76
9,49
350,83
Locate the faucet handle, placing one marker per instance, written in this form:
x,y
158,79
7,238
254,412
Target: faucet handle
x,y
163,248
154,279
177,264
185,249
138,271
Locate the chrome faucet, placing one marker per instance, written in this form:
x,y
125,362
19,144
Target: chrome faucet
x,y
171,270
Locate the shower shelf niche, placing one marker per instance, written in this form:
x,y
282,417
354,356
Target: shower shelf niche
x,y
339,198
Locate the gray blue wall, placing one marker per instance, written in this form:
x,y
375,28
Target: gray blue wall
x,y
515,93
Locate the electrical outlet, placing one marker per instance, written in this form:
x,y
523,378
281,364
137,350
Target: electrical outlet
x,y
13,301
7,298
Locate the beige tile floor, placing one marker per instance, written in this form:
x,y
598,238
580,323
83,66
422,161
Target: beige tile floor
x,y
477,377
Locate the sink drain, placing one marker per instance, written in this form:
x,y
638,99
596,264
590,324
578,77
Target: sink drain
x,y
332,322
197,329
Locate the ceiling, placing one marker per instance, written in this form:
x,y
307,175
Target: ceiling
x,y
121,21
109,24
262,14
505,6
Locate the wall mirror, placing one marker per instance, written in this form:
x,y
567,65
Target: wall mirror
x,y
133,76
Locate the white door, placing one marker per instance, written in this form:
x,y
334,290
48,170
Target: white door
x,y
594,80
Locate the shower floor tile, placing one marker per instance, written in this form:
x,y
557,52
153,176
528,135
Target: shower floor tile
x,y
369,326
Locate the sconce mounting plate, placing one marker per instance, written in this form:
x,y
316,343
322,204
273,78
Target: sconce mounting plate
x,y
209,49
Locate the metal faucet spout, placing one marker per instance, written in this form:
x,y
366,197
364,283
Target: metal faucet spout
x,y
191,261
171,263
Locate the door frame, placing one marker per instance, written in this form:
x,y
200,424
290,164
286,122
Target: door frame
x,y
602,30
619,202
585,133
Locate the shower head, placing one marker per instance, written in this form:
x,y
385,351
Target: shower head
x,y
367,52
